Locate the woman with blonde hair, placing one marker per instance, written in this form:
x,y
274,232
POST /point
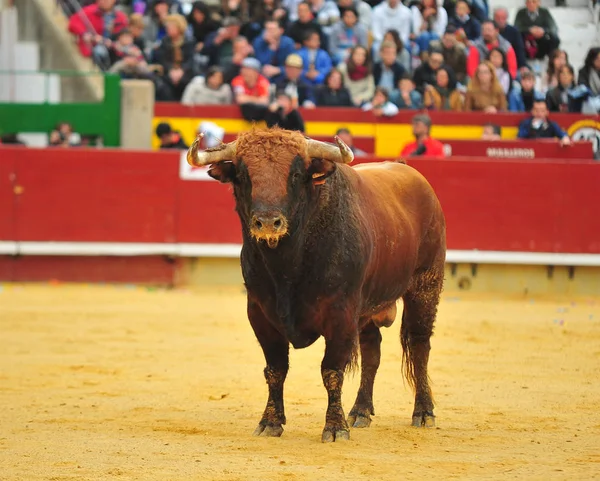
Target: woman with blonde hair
x,y
484,92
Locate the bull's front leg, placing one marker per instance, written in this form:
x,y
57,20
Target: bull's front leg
x,y
276,350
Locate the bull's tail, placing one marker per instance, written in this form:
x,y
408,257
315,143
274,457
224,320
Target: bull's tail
x,y
408,365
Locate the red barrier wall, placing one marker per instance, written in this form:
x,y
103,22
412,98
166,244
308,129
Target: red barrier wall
x,y
521,149
120,196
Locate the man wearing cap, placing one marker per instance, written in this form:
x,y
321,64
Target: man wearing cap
x,y
294,85
251,90
423,144
272,48
169,139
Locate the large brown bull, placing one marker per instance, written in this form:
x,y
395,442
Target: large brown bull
x,y
327,251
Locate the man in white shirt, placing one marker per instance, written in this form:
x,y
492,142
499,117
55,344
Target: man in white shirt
x,y
391,15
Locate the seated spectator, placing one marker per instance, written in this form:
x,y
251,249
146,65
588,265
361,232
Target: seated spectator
x,y
283,113
497,58
454,52
357,74
491,132
563,98
202,24
11,139
481,47
478,8
484,92
387,72
124,46
380,105
345,136
346,35
209,90
241,50
402,54
363,10
442,95
218,45
169,138
429,23
462,20
589,75
523,92
333,93
261,12
102,22
538,126
326,14
511,34
292,83
425,73
136,27
176,56
154,30
390,15
406,96
63,136
236,8
315,60
424,144
251,90
556,60
538,28
271,49
306,23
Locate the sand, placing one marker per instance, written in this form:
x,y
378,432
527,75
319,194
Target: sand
x,y
107,382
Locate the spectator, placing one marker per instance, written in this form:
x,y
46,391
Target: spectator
x,y
11,139
103,21
562,98
381,105
283,113
462,20
357,74
209,90
556,60
136,27
589,75
272,48
345,136
491,132
490,39
454,53
236,8
264,10
484,92
428,23
363,9
522,94
442,95
300,91
176,56
154,30
316,61
306,23
511,34
426,72
124,46
402,54
346,35
251,90
539,31
538,126
478,8
326,13
241,50
218,45
497,58
333,93
407,97
387,72
424,144
390,15
169,139
201,23
63,136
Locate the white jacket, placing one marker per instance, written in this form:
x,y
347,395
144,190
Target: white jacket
x,y
386,18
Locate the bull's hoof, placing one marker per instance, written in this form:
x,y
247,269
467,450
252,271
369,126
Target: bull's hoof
x,y
331,435
425,420
266,430
359,421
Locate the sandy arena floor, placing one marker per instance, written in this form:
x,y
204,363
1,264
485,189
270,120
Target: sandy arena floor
x,y
128,383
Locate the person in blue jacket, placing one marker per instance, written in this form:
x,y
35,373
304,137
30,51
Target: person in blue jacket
x,y
316,61
538,126
272,48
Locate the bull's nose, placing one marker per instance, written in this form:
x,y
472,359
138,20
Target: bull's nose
x,y
268,223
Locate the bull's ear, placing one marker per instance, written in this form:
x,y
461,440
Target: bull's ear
x,y
320,169
222,171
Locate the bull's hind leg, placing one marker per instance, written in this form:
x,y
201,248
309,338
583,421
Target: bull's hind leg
x,y
420,308
276,351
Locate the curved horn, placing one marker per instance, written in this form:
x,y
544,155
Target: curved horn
x,y
320,150
209,156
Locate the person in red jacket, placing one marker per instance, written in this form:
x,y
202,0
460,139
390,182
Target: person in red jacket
x,y
490,39
95,25
424,144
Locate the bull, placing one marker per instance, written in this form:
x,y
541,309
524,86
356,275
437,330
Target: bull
x,y
328,249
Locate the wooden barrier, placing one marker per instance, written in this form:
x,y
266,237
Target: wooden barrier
x,y
519,149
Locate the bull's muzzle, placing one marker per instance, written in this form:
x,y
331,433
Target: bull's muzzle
x,y
269,227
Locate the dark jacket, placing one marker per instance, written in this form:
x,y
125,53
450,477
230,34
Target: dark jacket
x,y
422,75
515,38
397,68
472,27
291,121
164,55
305,90
554,99
544,19
328,98
298,31
549,130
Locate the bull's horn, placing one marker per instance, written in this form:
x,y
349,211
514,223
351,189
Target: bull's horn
x,y
340,153
209,156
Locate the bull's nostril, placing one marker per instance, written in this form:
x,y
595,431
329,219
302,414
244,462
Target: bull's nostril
x,y
277,223
258,224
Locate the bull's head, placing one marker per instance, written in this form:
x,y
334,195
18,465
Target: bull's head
x,y
273,172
